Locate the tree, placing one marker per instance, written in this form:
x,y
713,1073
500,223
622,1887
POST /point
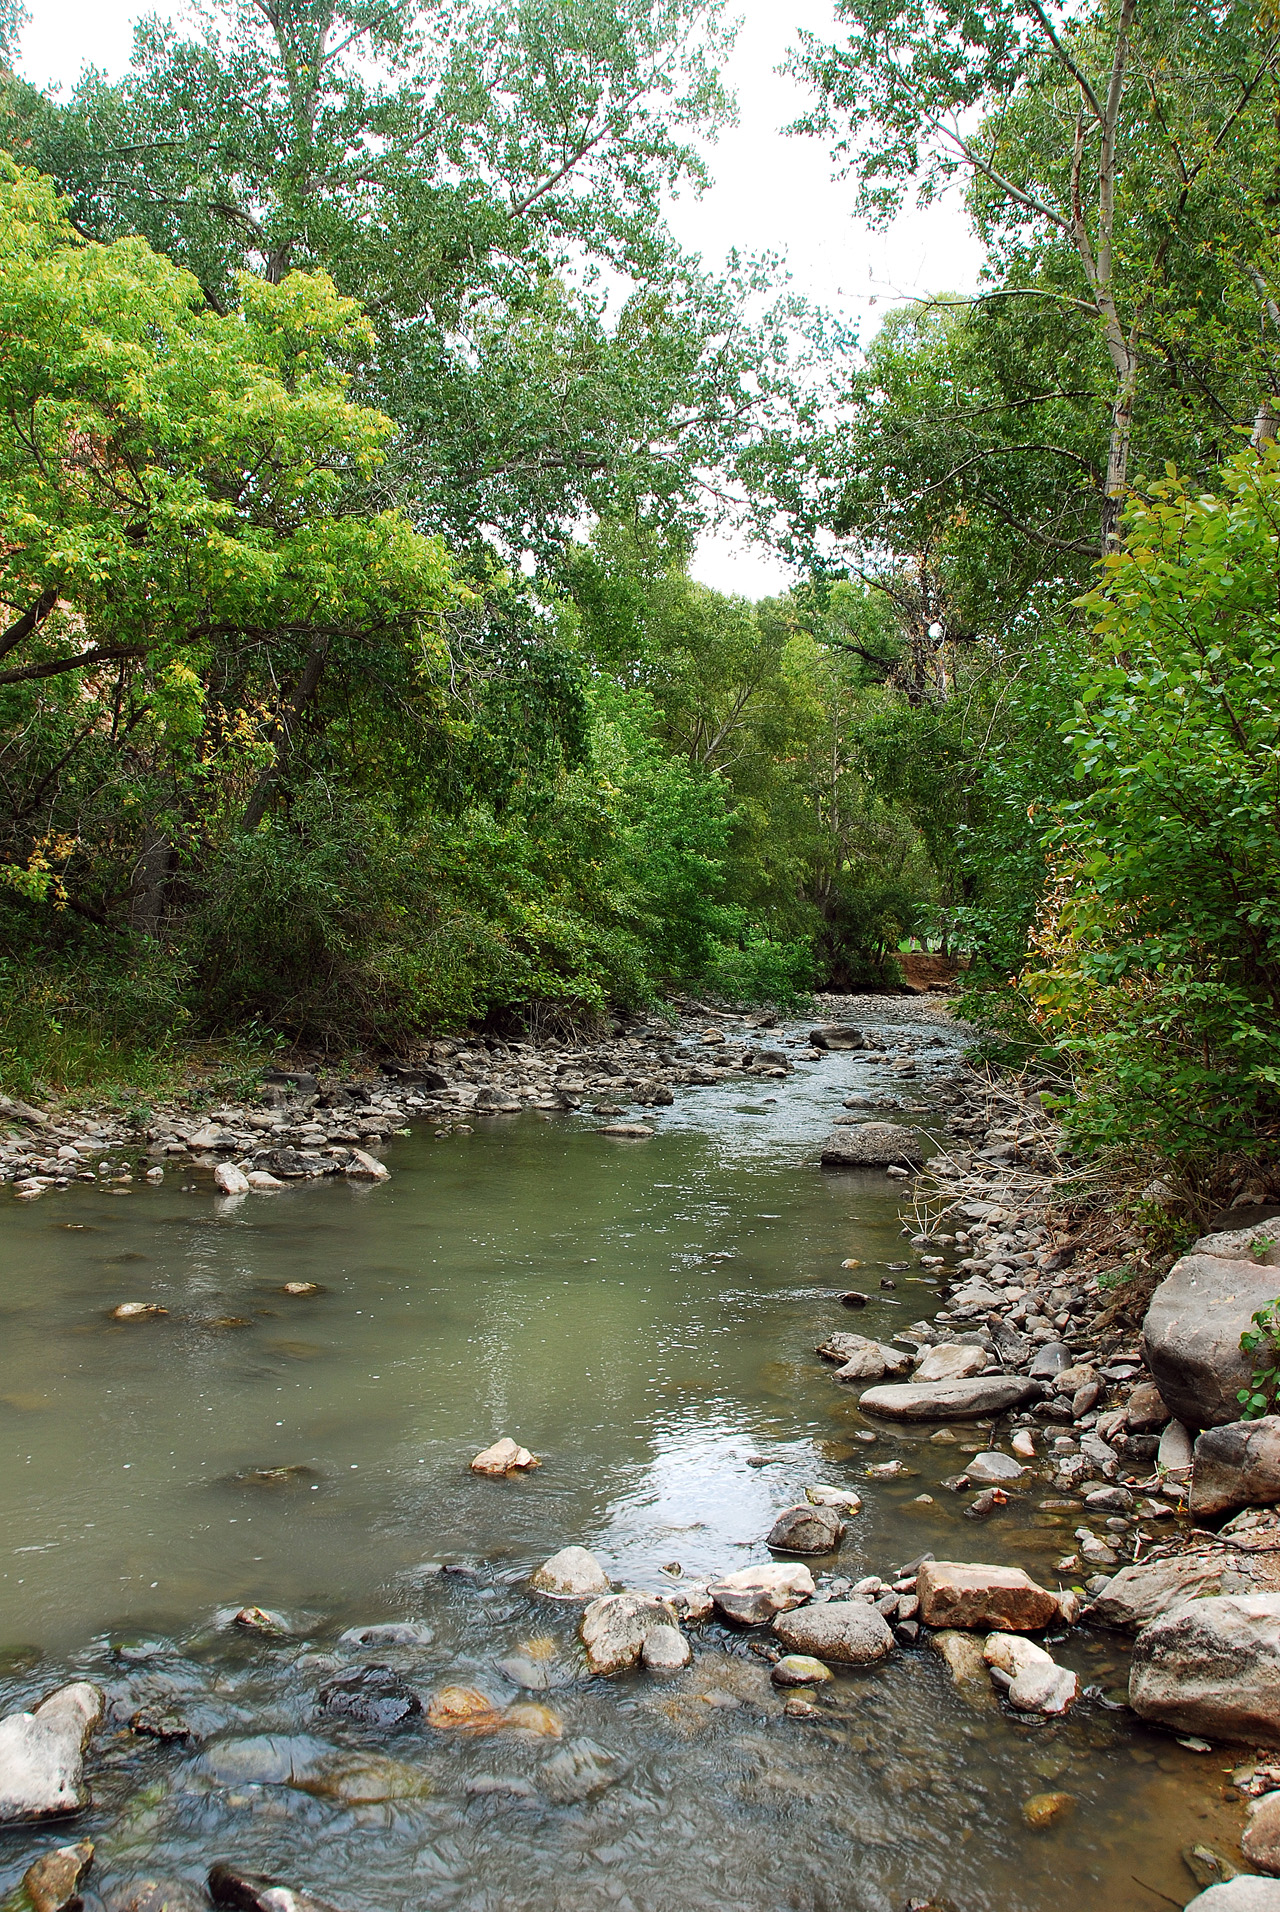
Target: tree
x,y
486,177
1135,143
187,568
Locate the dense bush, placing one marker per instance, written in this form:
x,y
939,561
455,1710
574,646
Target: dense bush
x,y
1160,936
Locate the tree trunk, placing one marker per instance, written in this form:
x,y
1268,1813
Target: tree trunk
x,y
308,684
155,865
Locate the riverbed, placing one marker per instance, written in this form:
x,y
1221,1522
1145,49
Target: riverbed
x,y
643,1315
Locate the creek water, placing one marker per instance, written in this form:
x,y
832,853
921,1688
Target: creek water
x,y
643,1315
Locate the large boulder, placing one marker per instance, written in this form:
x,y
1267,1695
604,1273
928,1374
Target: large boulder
x,y
753,1595
848,1632
1137,1595
42,1754
806,1530
1213,1667
1191,1336
949,1400
1236,1465
953,1593
616,1630
872,1145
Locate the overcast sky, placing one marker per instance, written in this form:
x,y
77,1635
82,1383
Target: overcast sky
x,y
770,194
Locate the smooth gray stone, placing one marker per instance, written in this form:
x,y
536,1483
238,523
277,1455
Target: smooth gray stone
x,y
1212,1667
1236,1466
949,1400
1245,1894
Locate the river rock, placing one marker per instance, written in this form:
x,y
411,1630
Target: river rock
x,y
848,1632
1261,1841
363,1167
800,1669
1212,1666
257,1891
1236,1465
1238,1244
571,1574
577,1771
665,1650
963,1654
872,1145
375,1696
1174,1454
1035,1681
842,1498
949,1400
1137,1595
805,1529
614,1630
1191,1335
230,1179
951,1362
504,1457
994,1469
1047,1809
52,1882
1245,1894
386,1633
159,1895
954,1593
862,1360
42,1754
753,1595
836,1035
1053,1357
1146,1410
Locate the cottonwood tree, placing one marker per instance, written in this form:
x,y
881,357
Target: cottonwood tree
x,y
1134,139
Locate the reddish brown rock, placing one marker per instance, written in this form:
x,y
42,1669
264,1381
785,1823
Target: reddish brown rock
x,y
955,1594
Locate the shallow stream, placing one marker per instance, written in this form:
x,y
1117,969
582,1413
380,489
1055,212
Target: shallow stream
x,y
641,1314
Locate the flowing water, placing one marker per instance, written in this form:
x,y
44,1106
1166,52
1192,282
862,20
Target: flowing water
x,y
641,1314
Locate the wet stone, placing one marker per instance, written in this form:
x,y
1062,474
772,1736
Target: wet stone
x,y
245,1891
374,1697
52,1883
158,1895
578,1771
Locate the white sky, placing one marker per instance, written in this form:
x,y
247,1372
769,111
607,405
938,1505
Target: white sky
x,y
771,194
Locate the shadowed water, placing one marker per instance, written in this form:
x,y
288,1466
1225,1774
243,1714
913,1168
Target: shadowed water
x,y
642,1315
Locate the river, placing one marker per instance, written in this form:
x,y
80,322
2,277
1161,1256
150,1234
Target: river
x,y
643,1315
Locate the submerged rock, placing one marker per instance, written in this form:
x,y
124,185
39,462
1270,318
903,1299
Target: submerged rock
x,y
1212,1666
578,1771
159,1895
616,1629
52,1883
388,1633
956,1594
849,1632
42,1754
571,1574
753,1595
949,1400
966,1662
375,1696
806,1529
800,1669
1047,1809
257,1891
